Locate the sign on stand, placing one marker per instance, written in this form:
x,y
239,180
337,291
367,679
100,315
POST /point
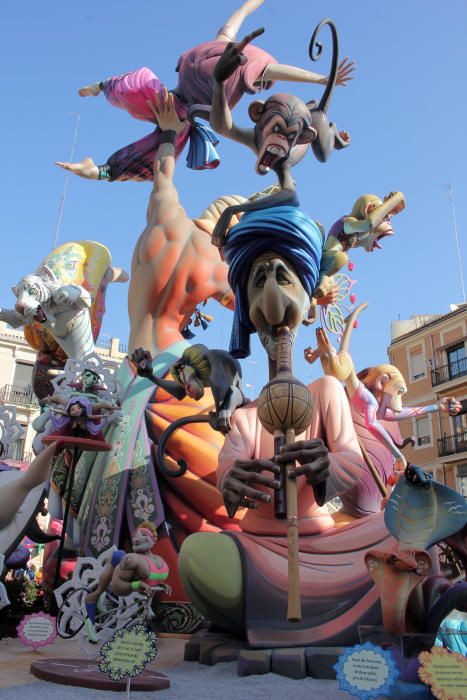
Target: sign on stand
x,y
127,653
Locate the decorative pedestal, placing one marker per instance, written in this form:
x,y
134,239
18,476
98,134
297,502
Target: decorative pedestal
x,y
85,674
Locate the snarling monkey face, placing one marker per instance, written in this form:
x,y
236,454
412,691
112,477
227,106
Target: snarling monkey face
x,y
281,122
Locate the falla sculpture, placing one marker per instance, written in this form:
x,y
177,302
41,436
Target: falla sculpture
x,y
245,523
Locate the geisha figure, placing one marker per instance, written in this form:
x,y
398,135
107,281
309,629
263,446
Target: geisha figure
x,y
80,416
192,96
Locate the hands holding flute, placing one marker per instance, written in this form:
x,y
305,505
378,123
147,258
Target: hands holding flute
x,y
241,485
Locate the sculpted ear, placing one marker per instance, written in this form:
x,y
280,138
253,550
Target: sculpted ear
x,y
15,291
381,382
255,110
308,135
46,273
369,207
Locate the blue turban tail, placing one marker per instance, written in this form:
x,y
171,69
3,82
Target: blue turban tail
x,y
202,154
285,230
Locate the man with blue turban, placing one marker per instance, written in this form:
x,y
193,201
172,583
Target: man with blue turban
x,y
238,579
291,235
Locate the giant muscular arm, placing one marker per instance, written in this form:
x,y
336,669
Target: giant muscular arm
x,y
164,202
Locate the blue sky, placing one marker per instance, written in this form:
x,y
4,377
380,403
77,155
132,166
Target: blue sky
x,y
406,112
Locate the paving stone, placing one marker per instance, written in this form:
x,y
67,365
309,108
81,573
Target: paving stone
x,y
320,661
197,648
289,662
254,662
206,649
191,652
227,652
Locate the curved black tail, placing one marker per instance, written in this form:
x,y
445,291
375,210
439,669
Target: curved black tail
x,y
167,471
314,51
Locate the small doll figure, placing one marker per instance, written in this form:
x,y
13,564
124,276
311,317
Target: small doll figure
x,y
366,225
80,416
139,571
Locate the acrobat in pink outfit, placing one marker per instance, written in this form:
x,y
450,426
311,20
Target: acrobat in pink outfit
x,y
192,96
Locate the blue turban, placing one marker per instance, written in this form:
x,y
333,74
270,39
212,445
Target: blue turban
x,y
285,230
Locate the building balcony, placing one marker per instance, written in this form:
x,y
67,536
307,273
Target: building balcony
x,y
19,395
447,373
452,444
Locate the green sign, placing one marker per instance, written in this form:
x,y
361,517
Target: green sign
x,y
128,652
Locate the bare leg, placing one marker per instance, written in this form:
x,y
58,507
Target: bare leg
x,y
13,494
278,71
228,32
92,90
103,584
85,168
211,571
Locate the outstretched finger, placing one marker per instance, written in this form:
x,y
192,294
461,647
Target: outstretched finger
x,y
246,503
324,344
249,477
154,105
249,38
347,63
257,465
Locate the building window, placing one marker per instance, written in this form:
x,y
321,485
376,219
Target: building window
x,y
460,423
423,431
17,448
457,361
417,365
23,374
462,479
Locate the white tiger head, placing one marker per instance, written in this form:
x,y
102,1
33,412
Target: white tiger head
x,y
34,294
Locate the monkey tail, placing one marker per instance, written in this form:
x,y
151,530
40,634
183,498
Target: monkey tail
x,y
404,443
345,342
315,50
167,471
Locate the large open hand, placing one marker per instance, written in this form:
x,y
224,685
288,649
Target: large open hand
x,y
338,365
312,456
239,487
344,71
233,57
163,107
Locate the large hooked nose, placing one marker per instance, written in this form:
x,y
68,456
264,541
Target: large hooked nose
x,y
19,307
273,303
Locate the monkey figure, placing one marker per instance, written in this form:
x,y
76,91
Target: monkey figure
x,y
376,393
368,222
196,369
284,126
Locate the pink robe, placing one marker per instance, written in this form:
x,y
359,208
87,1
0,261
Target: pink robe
x,y
195,70
337,593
